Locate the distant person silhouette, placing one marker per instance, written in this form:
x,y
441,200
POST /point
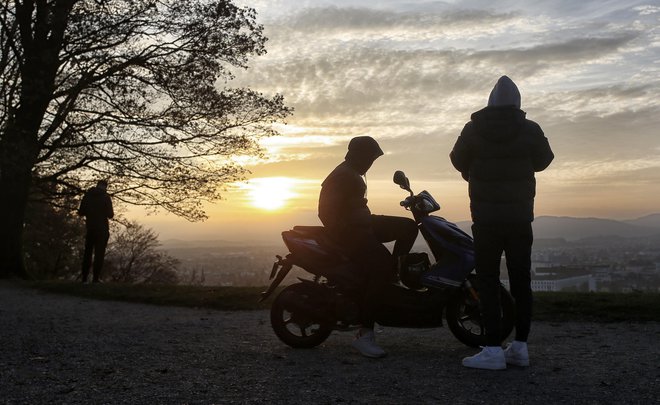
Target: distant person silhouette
x,y
348,221
498,152
96,207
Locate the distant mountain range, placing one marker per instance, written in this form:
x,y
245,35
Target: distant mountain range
x,y
570,228
545,227
652,220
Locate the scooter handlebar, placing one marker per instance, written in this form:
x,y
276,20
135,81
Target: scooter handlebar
x,y
408,202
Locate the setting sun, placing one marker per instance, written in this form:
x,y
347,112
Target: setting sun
x,y
270,193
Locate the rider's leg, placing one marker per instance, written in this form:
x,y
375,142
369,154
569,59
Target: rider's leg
x,y
399,229
488,248
376,261
518,251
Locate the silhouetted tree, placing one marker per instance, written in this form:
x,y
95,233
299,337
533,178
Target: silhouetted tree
x,y
132,90
133,257
53,241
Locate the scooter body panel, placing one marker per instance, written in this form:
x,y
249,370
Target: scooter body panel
x,y
453,250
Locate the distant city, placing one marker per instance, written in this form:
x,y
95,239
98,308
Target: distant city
x,y
595,255
611,264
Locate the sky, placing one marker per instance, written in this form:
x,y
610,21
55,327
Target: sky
x,y
410,73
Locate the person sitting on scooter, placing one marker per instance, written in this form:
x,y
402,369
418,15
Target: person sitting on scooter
x,y
348,222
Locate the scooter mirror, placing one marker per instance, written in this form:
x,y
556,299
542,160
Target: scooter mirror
x,y
401,179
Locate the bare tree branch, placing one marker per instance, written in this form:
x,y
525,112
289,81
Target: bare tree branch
x,y
134,95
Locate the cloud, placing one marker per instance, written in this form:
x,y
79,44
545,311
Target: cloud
x,y
334,61
371,86
612,171
411,77
628,103
353,20
549,56
410,73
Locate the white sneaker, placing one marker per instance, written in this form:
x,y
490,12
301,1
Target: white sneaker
x,y
490,358
516,354
365,343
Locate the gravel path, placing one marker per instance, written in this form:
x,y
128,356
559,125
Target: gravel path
x,y
60,349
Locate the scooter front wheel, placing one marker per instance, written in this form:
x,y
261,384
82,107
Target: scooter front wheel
x,y
465,321
292,318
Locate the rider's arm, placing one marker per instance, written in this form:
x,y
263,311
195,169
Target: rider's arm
x,y
461,156
82,210
542,155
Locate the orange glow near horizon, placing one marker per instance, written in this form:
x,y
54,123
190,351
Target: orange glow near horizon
x,y
270,193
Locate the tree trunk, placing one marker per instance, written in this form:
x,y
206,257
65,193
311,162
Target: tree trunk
x,y
11,237
19,144
18,155
14,189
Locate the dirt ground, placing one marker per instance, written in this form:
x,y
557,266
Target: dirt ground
x,y
67,350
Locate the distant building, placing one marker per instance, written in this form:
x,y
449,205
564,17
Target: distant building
x,y
541,264
559,278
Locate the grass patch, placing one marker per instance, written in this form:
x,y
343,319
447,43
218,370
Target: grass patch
x,y
548,306
597,306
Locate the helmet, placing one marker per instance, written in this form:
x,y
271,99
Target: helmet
x,y
362,152
364,148
411,268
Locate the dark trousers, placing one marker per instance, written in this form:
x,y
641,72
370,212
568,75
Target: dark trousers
x,y
96,241
365,247
515,240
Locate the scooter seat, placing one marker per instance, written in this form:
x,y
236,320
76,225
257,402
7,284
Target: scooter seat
x,y
313,230
319,234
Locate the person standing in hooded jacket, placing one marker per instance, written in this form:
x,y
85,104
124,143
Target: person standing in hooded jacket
x,y
498,152
96,207
348,222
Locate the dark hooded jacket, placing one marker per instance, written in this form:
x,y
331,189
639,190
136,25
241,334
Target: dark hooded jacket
x,y
96,206
342,202
498,152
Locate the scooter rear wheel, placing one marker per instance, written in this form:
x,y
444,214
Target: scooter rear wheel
x,y
464,317
292,323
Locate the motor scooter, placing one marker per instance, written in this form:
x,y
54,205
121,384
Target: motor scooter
x,y
305,313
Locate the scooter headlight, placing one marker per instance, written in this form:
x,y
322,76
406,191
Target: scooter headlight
x,y
426,203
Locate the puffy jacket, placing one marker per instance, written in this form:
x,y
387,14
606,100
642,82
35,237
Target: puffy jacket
x,y
498,152
96,206
342,202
